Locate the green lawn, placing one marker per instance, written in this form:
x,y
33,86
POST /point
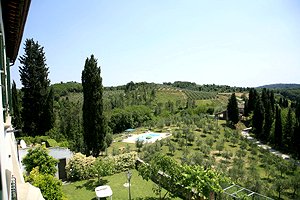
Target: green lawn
x,y
85,190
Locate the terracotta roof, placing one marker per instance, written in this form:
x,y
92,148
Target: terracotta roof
x,y
14,13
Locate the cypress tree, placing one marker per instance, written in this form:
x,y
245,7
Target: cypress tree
x,y
268,120
272,101
34,78
288,129
232,109
16,118
264,97
296,132
278,128
258,118
94,125
296,139
246,108
253,96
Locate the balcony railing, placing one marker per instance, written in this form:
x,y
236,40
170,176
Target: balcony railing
x,y
13,188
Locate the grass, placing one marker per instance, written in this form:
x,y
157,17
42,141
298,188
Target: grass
x,y
85,190
170,95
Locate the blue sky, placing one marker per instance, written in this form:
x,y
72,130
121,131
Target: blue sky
x,y
236,43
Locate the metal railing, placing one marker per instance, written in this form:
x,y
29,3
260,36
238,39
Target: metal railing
x,y
13,188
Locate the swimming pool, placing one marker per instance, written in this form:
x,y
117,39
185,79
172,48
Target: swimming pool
x,y
149,136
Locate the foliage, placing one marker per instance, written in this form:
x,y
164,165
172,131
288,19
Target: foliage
x,y
34,140
171,175
36,100
172,148
52,143
197,95
253,97
80,167
103,167
94,122
124,162
232,109
16,115
39,157
278,128
130,117
139,144
69,124
288,129
258,118
203,181
62,89
220,146
50,186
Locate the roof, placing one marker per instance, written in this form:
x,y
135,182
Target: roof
x,y
14,13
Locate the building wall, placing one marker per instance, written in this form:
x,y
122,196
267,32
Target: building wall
x,y
5,160
56,152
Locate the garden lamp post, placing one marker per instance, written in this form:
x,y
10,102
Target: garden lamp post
x,y
129,174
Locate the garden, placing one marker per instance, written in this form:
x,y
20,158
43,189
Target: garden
x,y
85,189
207,147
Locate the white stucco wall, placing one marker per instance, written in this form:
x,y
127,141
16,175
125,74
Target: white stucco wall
x,y
55,152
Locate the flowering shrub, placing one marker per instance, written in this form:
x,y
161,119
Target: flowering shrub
x,y
124,162
80,167
103,167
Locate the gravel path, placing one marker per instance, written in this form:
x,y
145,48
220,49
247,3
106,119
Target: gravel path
x,y
245,133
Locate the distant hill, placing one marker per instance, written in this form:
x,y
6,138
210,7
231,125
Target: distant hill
x,y
281,86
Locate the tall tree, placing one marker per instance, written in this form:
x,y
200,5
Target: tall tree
x,y
16,119
258,118
288,129
278,127
272,100
232,109
268,120
47,121
94,125
253,96
296,139
34,78
296,133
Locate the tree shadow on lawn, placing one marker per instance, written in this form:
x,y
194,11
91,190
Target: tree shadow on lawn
x,y
228,125
92,184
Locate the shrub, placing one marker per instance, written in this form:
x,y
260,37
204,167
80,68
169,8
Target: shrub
x,y
103,167
39,157
124,162
139,144
51,143
50,186
79,167
115,151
